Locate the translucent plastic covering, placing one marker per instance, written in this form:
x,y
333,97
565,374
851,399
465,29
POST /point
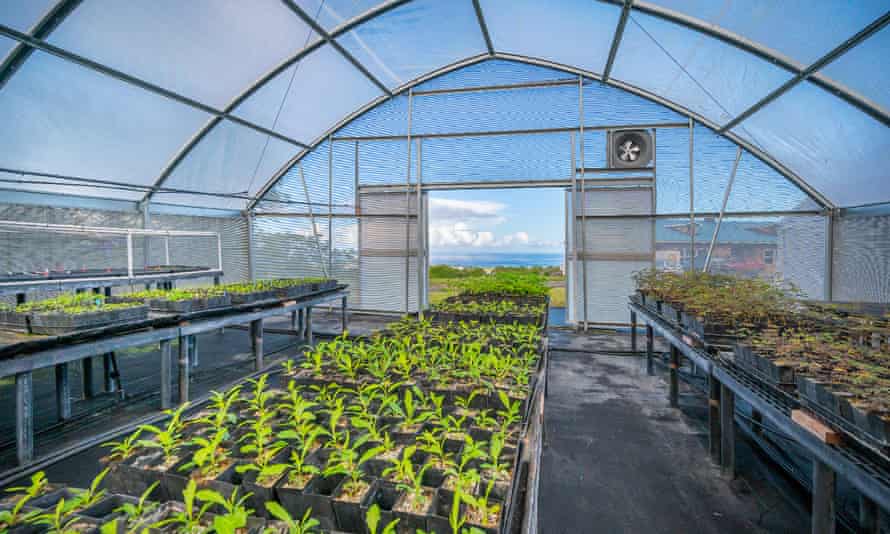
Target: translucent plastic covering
x,y
209,50
304,100
803,30
571,32
414,39
698,72
61,118
333,13
23,14
706,59
858,69
842,152
238,159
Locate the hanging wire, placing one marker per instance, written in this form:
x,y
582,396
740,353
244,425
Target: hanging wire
x,y
290,84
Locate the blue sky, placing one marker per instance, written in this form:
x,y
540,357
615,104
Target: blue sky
x,y
508,220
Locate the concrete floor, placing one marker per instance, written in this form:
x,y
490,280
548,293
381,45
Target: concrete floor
x,y
617,458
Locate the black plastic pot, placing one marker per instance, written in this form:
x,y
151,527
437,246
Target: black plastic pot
x,y
11,320
438,520
349,513
292,499
410,522
318,495
104,510
384,494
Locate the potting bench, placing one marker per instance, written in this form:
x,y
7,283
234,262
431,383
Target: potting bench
x,y
23,358
864,469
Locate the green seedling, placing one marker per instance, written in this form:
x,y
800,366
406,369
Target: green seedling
x,y
305,525
13,516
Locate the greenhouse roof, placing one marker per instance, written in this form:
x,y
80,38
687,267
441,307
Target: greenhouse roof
x,y
128,100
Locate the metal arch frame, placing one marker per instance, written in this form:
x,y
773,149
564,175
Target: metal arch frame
x,y
57,15
47,23
616,38
105,70
327,38
483,27
712,30
863,34
817,196
267,77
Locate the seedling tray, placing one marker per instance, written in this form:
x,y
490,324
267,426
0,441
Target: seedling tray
x,y
12,320
775,372
834,405
57,323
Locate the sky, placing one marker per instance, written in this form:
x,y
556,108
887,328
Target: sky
x,y
503,220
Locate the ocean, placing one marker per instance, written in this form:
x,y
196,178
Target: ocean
x,y
496,259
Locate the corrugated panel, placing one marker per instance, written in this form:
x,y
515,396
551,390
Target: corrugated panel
x,y
288,247
202,251
862,259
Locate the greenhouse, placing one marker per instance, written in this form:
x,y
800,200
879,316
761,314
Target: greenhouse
x,y
444,266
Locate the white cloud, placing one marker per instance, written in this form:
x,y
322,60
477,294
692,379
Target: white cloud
x,y
446,208
463,235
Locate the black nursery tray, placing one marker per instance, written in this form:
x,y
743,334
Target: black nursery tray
x,y
57,323
782,376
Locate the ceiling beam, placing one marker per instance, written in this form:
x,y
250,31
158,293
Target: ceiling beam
x,y
316,27
260,82
616,39
820,63
816,195
780,60
483,27
47,23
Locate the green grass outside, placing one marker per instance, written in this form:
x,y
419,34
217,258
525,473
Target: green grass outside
x,y
441,277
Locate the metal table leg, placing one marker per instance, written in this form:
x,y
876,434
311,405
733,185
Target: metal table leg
x,y
87,377
714,435
256,339
24,417
166,374
727,431
869,516
824,480
63,392
675,377
343,318
309,325
184,365
650,347
633,331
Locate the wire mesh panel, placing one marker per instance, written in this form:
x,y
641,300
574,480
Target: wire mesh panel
x,y
203,251
861,270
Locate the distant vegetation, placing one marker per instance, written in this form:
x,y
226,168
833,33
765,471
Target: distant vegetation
x,y
446,280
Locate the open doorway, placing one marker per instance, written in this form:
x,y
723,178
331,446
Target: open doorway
x,y
485,229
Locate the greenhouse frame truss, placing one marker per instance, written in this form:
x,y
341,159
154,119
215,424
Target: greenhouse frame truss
x,y
317,203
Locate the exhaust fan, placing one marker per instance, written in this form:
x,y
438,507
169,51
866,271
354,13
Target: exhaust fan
x,y
629,149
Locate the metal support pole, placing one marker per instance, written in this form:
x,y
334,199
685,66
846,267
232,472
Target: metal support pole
x,y
251,261
824,481
87,377
420,262
572,226
166,374
256,342
344,321
691,194
167,250
108,373
293,321
650,345
583,198
829,255
309,325
146,225
312,220
675,377
735,167
301,323
869,516
63,392
193,350
330,206
633,331
727,431
24,417
408,200
714,434
130,255
184,343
